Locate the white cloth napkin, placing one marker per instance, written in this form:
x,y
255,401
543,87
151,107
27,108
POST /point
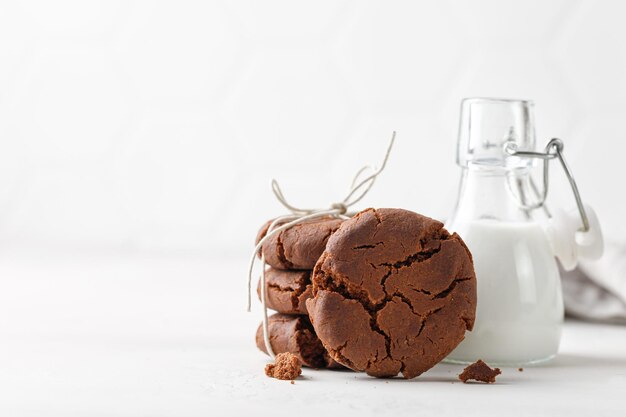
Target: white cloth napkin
x,y
597,290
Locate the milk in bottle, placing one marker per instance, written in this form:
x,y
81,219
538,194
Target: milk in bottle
x,y
520,309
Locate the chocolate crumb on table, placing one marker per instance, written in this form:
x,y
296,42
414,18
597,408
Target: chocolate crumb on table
x,y
479,371
286,366
520,369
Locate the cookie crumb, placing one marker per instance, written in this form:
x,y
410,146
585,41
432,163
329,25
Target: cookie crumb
x,y
479,371
520,369
292,382
286,366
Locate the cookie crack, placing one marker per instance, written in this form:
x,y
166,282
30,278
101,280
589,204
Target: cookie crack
x,y
281,251
279,288
420,290
342,359
331,282
406,301
438,235
447,291
368,246
374,325
295,293
383,280
423,317
420,256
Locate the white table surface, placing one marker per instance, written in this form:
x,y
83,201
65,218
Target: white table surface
x,y
121,336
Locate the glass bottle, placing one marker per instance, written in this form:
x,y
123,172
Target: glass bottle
x,y
519,312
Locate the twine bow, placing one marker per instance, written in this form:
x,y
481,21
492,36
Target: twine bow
x,y
358,189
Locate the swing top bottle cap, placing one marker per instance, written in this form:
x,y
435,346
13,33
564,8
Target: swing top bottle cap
x,y
487,125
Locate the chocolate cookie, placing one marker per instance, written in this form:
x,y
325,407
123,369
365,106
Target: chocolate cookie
x,y
394,292
294,334
300,246
287,291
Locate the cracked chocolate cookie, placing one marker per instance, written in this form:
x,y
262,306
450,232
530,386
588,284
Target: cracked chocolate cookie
x,y
394,292
298,247
294,334
287,291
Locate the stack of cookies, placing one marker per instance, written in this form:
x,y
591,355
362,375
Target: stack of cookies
x,y
386,292
291,256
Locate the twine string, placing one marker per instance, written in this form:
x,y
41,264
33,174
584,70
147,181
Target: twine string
x,y
358,189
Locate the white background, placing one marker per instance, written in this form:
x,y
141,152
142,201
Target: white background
x,y
137,141
155,126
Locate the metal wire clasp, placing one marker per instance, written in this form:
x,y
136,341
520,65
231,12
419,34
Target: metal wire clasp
x,y
554,149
